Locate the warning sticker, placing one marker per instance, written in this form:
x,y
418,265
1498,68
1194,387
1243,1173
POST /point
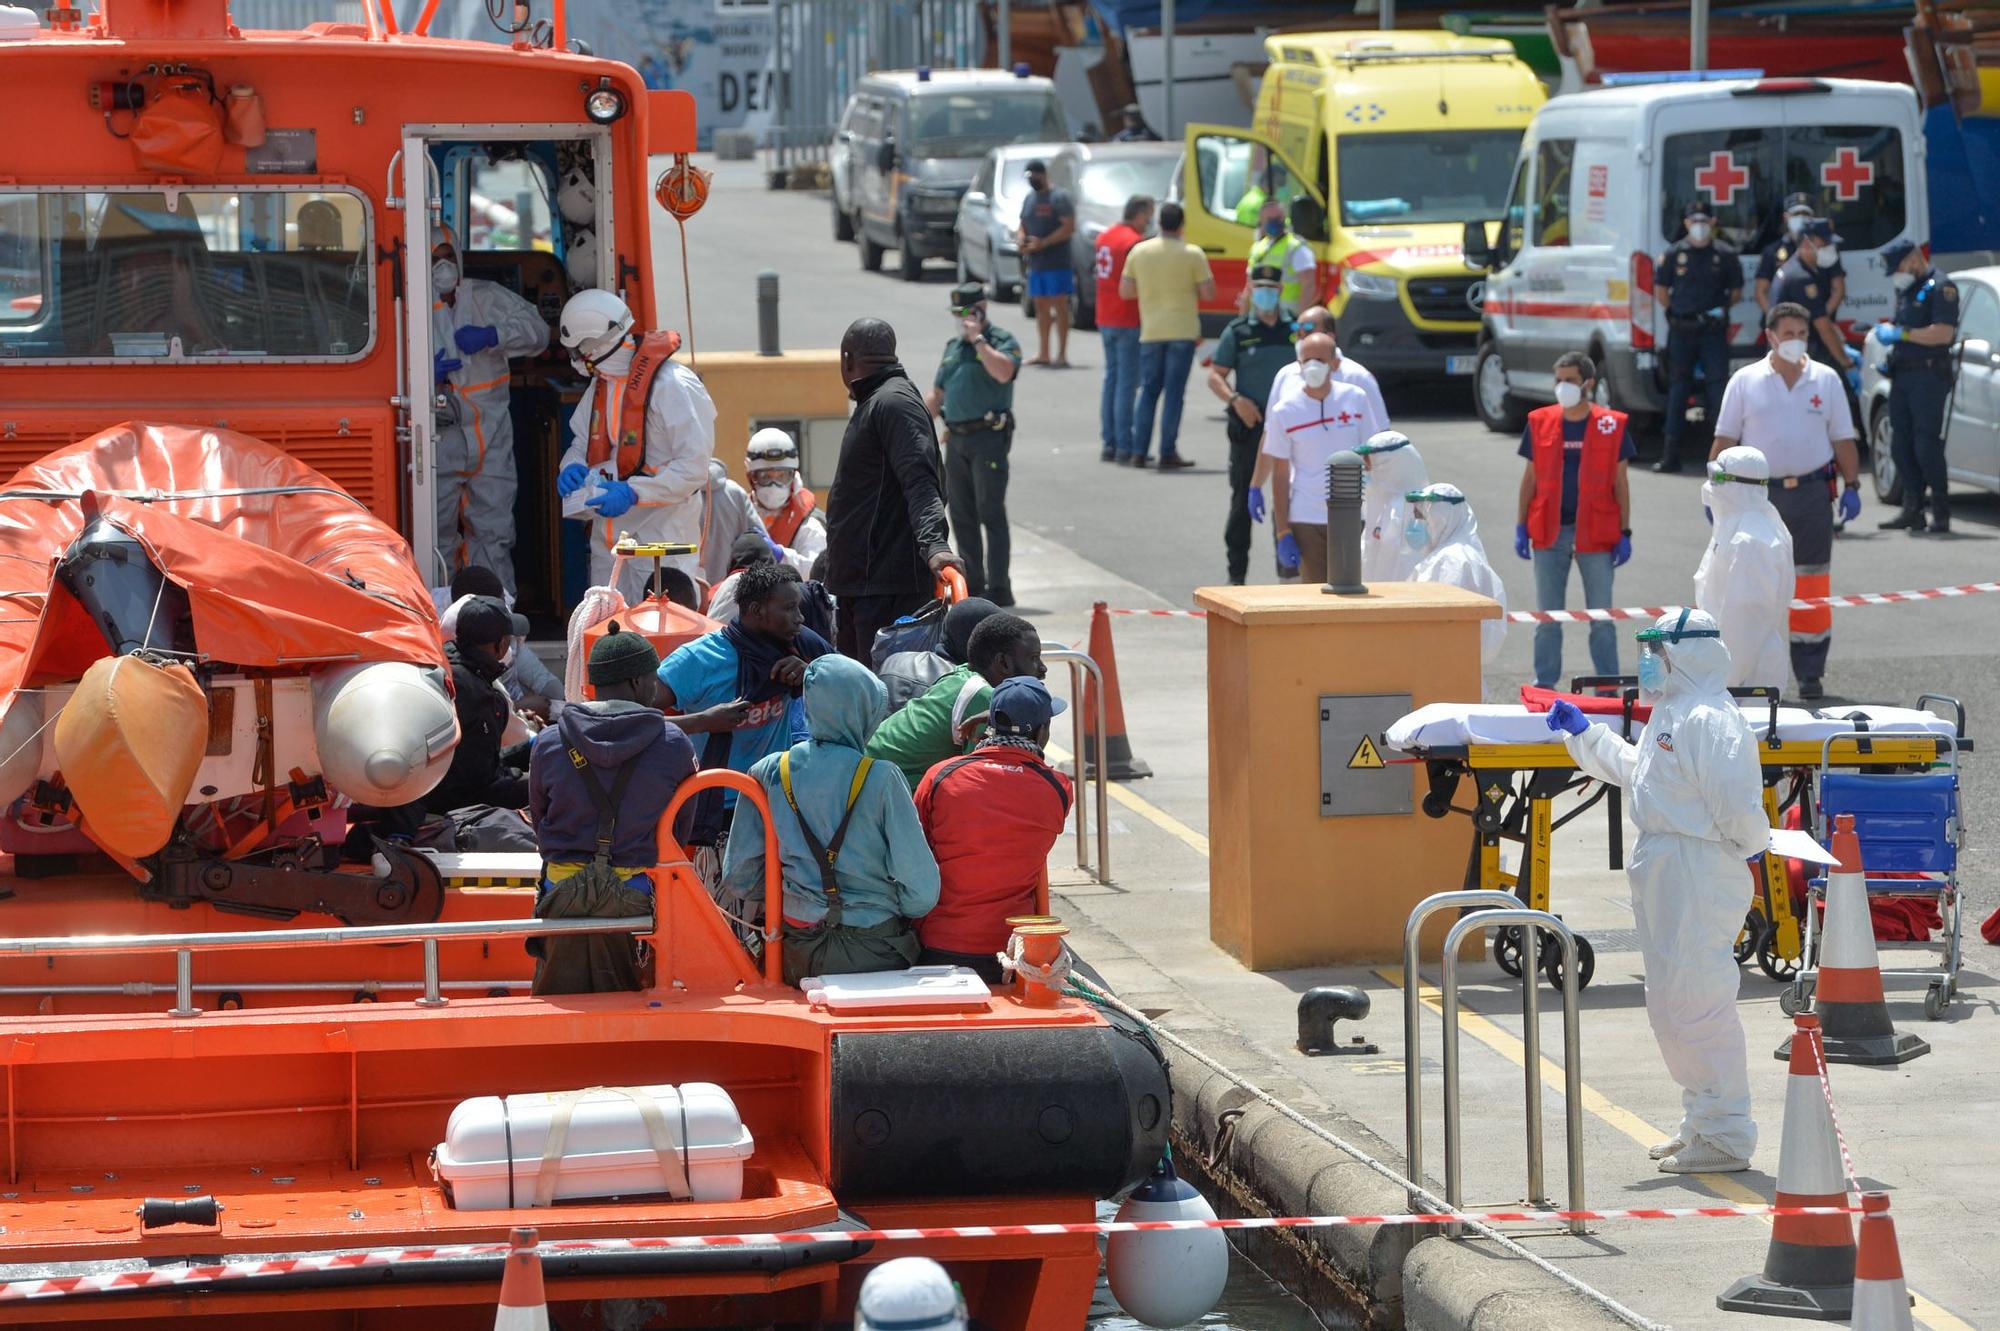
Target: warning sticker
x,y
1365,755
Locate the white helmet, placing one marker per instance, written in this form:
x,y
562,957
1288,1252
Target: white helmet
x,y
911,1293
770,450
580,258
576,197
593,325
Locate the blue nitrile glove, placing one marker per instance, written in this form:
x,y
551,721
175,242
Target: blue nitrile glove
x,y
777,551
1523,547
1256,503
1621,552
613,499
1715,313
571,478
1755,861
1888,334
1288,550
1850,505
443,366
1853,377
476,337
1708,514
1565,715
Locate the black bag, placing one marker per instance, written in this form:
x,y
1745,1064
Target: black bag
x,y
922,631
591,963
909,674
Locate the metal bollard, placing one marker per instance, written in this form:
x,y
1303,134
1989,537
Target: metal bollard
x,y
767,314
1343,525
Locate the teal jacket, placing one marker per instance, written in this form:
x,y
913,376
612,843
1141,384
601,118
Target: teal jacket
x,y
885,867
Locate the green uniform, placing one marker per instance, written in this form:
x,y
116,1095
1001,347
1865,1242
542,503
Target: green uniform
x,y
1255,351
922,733
969,391
1277,252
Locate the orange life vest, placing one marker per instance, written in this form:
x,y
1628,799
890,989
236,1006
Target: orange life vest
x,y
1597,526
655,350
785,523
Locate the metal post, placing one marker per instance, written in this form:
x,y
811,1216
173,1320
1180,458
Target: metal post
x,y
431,998
767,314
1005,35
1169,130
1386,19
1698,35
184,985
1081,665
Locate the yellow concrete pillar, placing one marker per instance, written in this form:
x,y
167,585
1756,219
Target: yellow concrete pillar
x,y
747,388
1292,883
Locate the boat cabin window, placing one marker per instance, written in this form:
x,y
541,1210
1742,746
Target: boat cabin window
x,y
218,274
508,205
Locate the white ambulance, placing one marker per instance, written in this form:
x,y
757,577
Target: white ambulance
x,y
1598,193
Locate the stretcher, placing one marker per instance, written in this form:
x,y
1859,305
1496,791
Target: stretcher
x,y
1517,768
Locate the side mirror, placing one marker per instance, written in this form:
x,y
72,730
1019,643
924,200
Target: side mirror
x,y
885,156
976,198
1308,219
1476,249
1975,349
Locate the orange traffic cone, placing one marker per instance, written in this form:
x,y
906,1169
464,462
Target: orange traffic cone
x,y
1809,1267
1881,1302
523,1306
1852,1014
1124,767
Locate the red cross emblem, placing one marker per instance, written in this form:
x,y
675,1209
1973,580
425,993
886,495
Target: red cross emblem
x,y
1347,417
1722,177
1606,425
1814,399
1846,174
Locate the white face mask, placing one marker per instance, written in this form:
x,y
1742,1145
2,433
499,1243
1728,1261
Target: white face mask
x,y
1829,255
1568,395
1699,232
1795,225
1792,349
1315,373
774,494
444,276
513,646
1902,281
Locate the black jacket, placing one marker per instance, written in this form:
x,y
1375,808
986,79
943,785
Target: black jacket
x,y
885,513
479,762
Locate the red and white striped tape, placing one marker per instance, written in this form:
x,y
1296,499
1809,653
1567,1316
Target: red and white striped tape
x,y
1652,612
266,1268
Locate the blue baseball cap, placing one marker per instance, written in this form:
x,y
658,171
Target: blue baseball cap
x,y
1822,231
1896,253
1022,705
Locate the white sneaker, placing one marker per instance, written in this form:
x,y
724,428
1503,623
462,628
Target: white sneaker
x,y
1703,1157
1662,1150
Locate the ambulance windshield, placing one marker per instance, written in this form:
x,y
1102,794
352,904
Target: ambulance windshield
x,y
1444,176
204,275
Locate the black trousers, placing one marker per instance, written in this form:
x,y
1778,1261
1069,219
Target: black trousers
x,y
1705,345
1807,512
1244,441
1918,395
975,483
857,619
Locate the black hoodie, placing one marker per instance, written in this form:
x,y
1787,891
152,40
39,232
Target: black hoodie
x,y
885,512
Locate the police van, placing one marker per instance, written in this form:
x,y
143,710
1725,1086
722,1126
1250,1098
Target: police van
x,y
1598,193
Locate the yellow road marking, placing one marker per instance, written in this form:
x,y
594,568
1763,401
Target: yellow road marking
x,y
1151,812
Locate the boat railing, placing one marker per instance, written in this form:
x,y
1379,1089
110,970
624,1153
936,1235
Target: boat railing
x,y
1086,674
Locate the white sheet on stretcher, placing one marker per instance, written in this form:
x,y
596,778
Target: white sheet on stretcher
x,y
1442,725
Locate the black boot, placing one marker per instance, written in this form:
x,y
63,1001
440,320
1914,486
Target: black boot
x,y
1910,519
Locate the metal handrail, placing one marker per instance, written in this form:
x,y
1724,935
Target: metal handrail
x,y
1534,922
1080,664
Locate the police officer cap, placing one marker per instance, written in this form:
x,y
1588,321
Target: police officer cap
x,y
1800,202
1697,209
1268,273
1821,230
1896,252
619,656
967,294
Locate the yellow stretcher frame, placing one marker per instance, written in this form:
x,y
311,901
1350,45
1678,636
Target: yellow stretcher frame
x,y
1777,757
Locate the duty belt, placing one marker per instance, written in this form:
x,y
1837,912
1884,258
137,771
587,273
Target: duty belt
x,y
992,420
1825,473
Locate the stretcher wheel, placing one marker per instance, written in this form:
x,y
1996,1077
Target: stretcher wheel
x,y
1586,963
1507,949
1793,997
1746,942
1936,999
1779,968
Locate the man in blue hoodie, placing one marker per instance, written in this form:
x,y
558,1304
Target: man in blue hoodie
x,y
856,866
598,781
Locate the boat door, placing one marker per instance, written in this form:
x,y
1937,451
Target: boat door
x,y
421,198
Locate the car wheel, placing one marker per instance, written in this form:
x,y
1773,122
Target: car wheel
x,y
871,253
908,262
1082,310
1882,459
1498,408
1001,291
843,222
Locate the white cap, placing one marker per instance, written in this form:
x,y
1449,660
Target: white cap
x,y
909,1294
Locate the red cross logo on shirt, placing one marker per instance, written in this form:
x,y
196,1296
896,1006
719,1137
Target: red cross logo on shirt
x,y
1347,418
1846,174
1814,399
1722,177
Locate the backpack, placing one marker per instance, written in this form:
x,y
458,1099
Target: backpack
x,y
591,963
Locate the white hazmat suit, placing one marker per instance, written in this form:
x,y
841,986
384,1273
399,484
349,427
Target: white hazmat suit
x,y
1745,578
1696,796
1394,469
1452,554
475,430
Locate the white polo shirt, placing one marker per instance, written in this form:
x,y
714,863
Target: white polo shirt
x,y
1305,432
1795,428
1349,371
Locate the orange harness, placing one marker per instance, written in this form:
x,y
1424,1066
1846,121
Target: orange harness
x,y
785,523
655,350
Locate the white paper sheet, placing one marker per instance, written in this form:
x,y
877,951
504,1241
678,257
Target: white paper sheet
x,y
1793,844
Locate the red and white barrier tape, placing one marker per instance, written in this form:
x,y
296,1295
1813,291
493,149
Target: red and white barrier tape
x,y
1651,612
1833,1114
252,1270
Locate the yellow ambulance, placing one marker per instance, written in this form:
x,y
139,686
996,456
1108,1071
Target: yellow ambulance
x,y
1379,146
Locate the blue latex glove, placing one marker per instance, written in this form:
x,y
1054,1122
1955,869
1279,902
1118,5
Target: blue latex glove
x,y
1850,505
1256,503
1853,377
1708,514
1622,551
1888,334
443,366
1523,547
1288,550
1565,715
571,478
476,337
1755,861
777,551
613,499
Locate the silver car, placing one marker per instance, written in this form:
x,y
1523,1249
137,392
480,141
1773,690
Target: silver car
x,y
990,213
1972,418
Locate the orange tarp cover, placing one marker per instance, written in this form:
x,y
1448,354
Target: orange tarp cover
x,y
274,580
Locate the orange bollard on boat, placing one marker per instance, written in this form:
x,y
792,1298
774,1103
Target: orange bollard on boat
x,y
523,1305
1040,961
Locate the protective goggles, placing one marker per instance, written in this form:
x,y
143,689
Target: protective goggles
x,y
771,455
1370,449
1679,631
1720,476
1431,497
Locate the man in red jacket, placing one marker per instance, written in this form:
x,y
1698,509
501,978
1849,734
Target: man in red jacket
x,y
1575,507
991,817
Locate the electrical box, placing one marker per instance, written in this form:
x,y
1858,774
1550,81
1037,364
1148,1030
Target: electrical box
x,y
1355,777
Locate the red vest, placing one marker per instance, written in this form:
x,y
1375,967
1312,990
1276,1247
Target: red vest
x,y
785,523
1597,525
655,349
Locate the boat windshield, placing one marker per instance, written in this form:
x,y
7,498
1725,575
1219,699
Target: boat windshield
x,y
237,274
1437,176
